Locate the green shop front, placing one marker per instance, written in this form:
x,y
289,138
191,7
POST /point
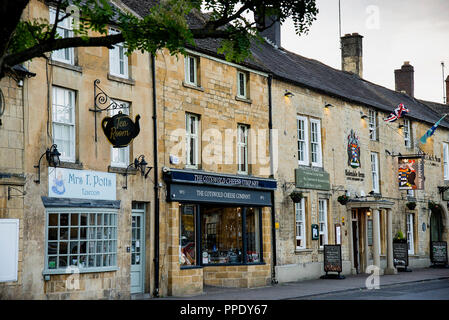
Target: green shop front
x,y
223,230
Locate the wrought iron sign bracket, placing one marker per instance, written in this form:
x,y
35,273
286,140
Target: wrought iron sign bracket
x,y
443,189
102,99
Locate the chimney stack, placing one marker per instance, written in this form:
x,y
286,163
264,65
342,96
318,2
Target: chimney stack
x,y
447,90
273,33
404,79
352,54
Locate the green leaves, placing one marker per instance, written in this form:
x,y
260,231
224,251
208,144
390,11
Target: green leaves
x,y
235,23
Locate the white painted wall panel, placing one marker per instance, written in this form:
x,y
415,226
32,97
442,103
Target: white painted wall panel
x,y
9,249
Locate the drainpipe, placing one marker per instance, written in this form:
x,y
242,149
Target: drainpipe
x,y
273,212
156,184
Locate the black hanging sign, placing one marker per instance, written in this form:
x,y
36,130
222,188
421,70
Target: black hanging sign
x,y
438,252
120,130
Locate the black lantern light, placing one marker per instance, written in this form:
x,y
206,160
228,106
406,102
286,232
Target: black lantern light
x,y
52,155
139,164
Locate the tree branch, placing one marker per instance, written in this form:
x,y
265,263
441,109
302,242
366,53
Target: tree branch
x,y
40,49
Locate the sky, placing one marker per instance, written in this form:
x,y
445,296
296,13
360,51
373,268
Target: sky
x,y
393,31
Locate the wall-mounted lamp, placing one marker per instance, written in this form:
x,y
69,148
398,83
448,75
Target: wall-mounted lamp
x,y
401,126
288,94
328,105
139,164
362,115
368,213
52,155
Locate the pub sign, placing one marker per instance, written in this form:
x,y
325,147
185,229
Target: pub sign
x,y
411,173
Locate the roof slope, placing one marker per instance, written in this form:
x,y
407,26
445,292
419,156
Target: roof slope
x,y
296,69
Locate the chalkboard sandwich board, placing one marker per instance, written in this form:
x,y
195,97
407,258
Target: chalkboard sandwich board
x,y
438,253
332,261
400,254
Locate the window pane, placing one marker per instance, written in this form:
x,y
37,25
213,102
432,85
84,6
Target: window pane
x,y
221,235
253,253
187,235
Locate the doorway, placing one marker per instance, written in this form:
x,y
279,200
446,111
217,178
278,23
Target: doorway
x,y
355,240
436,225
138,248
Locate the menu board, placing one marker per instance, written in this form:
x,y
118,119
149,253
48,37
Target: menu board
x,y
438,252
400,254
332,258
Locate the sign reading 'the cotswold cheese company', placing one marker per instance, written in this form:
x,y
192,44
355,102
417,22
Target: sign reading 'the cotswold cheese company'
x,y
81,184
310,179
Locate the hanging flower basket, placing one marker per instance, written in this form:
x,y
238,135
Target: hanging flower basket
x,y
433,205
411,205
343,199
399,237
296,196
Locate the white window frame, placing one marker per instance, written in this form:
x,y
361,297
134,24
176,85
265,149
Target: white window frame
x,y
305,139
241,77
372,123
446,160
64,30
242,144
188,60
116,152
410,233
300,224
117,58
92,237
69,101
407,134
375,172
192,163
322,220
315,140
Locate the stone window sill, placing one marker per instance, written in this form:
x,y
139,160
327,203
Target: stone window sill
x,y
130,82
246,100
71,165
66,66
121,170
298,251
191,86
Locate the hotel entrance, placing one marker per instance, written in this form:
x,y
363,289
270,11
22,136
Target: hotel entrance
x,y
370,231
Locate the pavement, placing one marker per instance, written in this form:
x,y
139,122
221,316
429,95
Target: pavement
x,y
308,288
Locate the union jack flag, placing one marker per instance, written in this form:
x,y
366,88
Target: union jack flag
x,y
397,113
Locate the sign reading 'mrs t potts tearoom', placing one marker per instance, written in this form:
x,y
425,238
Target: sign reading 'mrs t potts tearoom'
x,y
120,130
81,184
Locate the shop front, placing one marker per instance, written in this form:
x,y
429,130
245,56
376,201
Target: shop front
x,y
224,230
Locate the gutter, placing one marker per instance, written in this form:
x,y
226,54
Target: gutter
x,y
273,211
156,183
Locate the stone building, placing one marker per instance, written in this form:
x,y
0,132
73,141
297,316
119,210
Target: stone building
x,y
231,143
333,141
85,224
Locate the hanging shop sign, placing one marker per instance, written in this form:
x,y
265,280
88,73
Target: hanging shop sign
x,y
438,251
120,130
307,178
81,184
411,173
353,150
